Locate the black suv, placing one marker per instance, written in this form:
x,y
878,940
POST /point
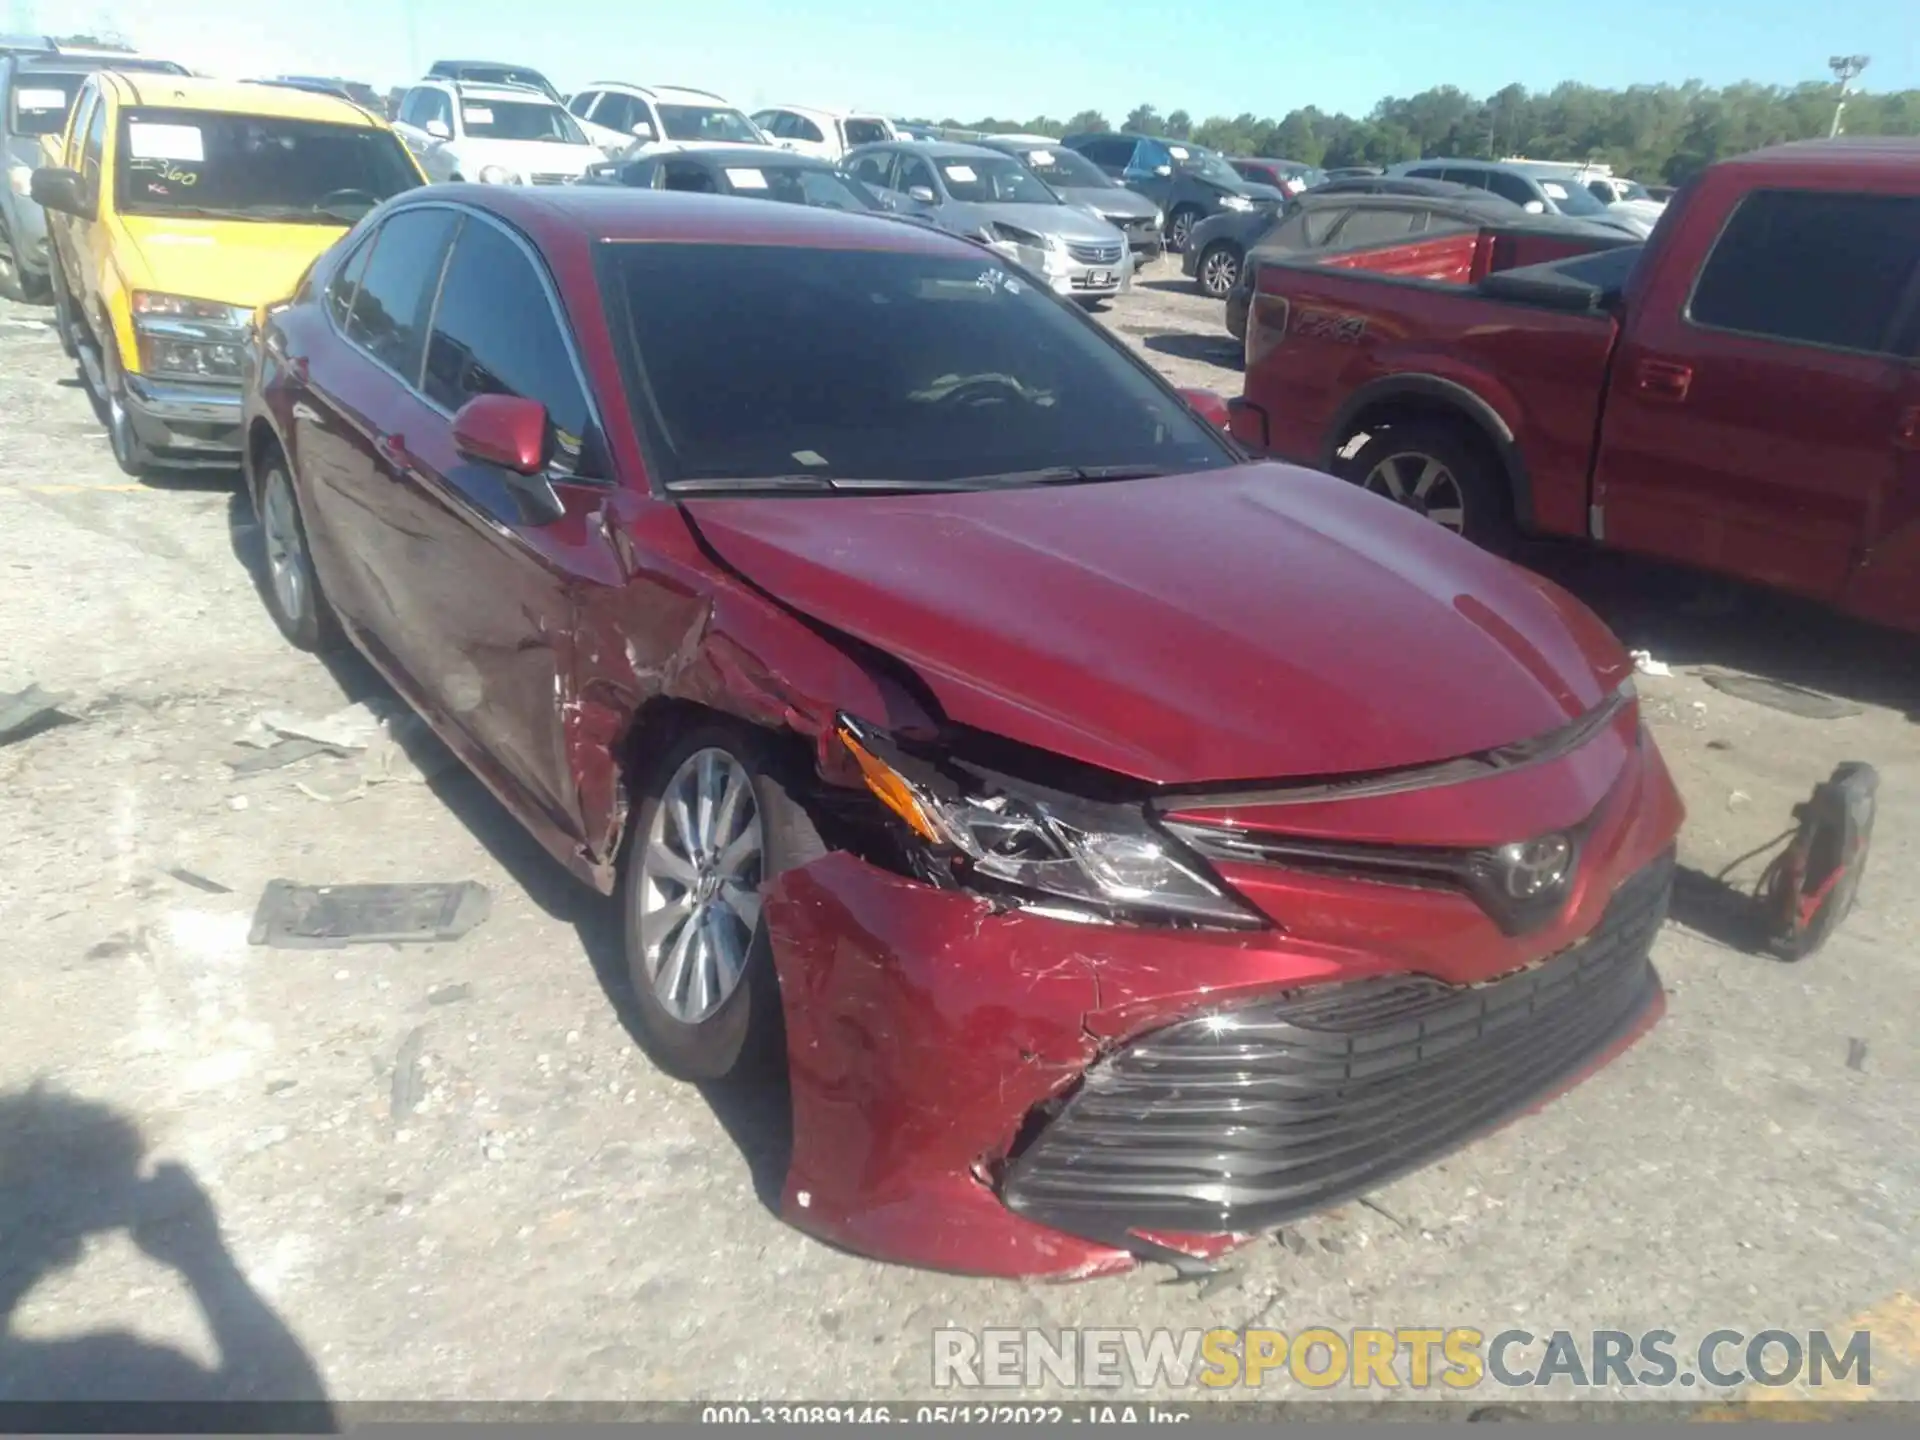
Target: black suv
x,y
1187,182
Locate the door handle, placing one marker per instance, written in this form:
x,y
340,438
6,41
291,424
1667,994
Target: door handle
x,y
1664,380
1906,434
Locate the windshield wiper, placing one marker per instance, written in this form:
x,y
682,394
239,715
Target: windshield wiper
x,y
1068,475
883,485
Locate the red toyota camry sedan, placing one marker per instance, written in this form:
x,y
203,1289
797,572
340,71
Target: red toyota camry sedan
x,y
1125,847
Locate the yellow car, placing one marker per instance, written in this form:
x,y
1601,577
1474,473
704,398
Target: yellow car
x,y
175,207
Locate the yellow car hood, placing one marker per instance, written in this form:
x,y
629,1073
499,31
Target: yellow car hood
x,y
236,262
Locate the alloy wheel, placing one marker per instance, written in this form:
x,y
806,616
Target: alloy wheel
x,y
1423,485
286,548
699,891
1182,229
1218,271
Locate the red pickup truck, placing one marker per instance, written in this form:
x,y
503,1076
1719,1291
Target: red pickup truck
x,y
1741,393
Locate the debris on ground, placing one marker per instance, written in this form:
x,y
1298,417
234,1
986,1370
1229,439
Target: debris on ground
x,y
408,1086
450,994
278,757
1780,695
1856,1054
198,881
350,728
27,712
1645,664
325,917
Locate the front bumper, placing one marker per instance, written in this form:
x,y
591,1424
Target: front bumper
x,y
988,1091
1082,273
184,423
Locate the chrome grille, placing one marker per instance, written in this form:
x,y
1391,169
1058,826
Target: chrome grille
x,y
1099,252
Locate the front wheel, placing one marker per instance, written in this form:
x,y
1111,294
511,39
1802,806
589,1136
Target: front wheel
x,y
63,326
292,588
1441,473
1180,227
1218,268
715,826
129,451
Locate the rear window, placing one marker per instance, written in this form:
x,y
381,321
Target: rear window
x,y
876,364
800,185
250,167
1810,266
41,102
709,124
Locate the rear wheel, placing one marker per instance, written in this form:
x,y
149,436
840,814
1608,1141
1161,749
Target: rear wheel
x,y
1218,268
1180,226
714,828
1440,472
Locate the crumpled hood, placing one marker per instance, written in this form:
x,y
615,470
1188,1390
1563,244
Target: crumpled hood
x,y
1063,220
1259,622
235,262
1113,203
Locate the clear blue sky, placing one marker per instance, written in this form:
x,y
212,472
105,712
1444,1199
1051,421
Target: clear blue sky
x,y
1017,58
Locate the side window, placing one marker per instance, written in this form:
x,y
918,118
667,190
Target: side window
x,y
1476,178
1299,231
864,132
440,107
805,129
82,119
1150,155
346,283
582,103
93,145
769,121
872,169
496,333
413,109
1809,266
914,170
389,313
1432,172
1369,226
687,175
619,112
1601,190
1510,187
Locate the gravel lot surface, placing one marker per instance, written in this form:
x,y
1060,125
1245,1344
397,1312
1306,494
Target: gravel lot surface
x,y
448,1172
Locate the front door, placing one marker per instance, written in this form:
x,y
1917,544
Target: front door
x,y
1751,425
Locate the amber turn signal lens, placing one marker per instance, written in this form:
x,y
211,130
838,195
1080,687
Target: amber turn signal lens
x,y
889,788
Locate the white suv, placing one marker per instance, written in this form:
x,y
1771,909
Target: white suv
x,y
829,134
495,134
622,118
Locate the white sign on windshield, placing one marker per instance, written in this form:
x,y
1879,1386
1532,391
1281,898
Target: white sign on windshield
x,y
1179,152
960,174
40,99
477,114
1554,191
747,179
165,142
1042,157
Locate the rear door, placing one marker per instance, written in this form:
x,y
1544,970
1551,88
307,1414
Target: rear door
x,y
489,589
1753,424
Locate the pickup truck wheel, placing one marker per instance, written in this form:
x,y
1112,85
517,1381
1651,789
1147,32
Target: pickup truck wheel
x,y
1440,473
714,827
1217,269
128,450
63,328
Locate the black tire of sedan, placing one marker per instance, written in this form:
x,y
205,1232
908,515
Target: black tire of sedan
x,y
288,583
1180,226
1443,473
1217,268
713,827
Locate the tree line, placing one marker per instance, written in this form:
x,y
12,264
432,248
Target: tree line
x,y
1652,132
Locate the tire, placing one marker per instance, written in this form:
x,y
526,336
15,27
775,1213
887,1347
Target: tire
x,y
733,1025
1180,226
1442,472
129,452
12,282
1217,269
289,584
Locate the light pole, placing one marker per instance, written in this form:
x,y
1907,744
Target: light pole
x,y
1846,69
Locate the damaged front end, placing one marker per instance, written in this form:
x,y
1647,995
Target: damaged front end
x,y
1046,1034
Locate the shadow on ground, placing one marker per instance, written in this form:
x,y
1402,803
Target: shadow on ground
x,y
1687,619
70,1174
1221,349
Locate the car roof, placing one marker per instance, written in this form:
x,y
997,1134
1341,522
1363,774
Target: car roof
x,y
474,90
608,212
1267,160
490,64
54,62
659,92
937,149
1385,185
1868,153
824,111
234,97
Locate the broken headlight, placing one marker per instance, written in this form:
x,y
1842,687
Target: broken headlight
x,y
1004,833
192,338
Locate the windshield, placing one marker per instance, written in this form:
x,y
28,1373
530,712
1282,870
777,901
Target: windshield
x,y
993,179
800,185
709,123
1207,165
519,120
1632,190
880,365
253,167
1568,196
1061,167
41,102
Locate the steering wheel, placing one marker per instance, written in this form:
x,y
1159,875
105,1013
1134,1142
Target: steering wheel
x,y
981,390
334,197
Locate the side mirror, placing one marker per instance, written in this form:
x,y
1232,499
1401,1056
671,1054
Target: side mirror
x,y
1208,405
438,129
64,190
511,434
641,130
1535,207
920,193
